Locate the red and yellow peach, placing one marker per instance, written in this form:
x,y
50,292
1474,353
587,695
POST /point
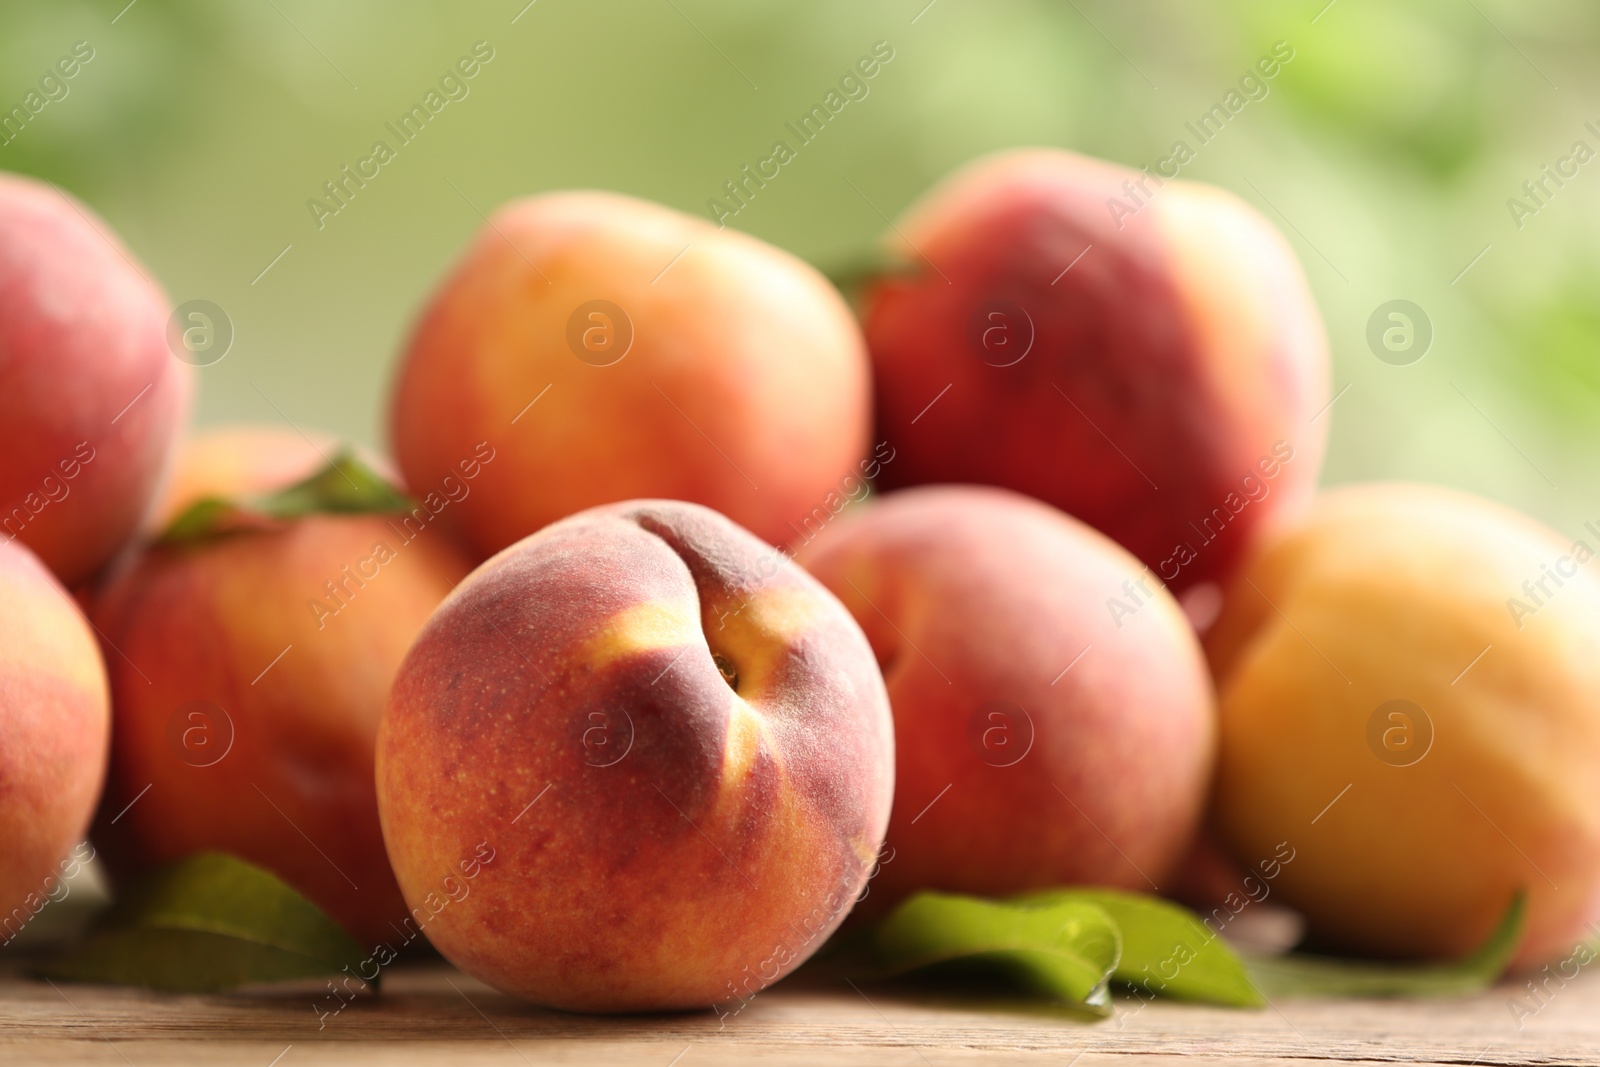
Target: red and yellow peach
x,y
248,673
674,743
55,721
609,348
1155,371
91,398
1053,715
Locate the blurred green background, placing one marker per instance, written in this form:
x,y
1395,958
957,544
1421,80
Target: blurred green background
x,y
1386,150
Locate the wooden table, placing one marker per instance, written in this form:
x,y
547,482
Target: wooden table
x,y
432,1014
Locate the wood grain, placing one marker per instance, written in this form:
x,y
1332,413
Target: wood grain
x,y
432,1014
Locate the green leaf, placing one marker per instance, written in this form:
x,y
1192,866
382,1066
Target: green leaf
x,y
346,486
1066,944
1063,950
208,923
1315,976
1166,949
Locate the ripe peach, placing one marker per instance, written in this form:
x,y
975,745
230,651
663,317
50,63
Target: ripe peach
x,y
674,745
1053,715
1153,372
1410,698
90,396
55,719
680,361
248,673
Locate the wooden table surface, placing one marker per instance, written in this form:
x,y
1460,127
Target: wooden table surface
x,y
432,1014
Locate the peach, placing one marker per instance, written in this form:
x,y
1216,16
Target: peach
x,y
673,746
1144,355
91,398
248,672
609,348
55,719
1410,699
1053,715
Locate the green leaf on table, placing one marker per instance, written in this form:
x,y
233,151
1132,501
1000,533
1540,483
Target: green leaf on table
x,y
1316,976
1166,949
204,924
1063,950
346,486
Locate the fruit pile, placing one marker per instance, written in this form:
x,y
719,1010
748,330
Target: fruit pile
x,y
698,612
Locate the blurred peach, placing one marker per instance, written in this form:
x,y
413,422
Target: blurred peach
x,y
248,672
55,719
1144,355
1410,700
91,397
607,348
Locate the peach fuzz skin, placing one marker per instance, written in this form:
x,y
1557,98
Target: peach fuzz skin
x,y
1172,367
55,719
675,744
209,622
91,399
745,387
1389,592
975,595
